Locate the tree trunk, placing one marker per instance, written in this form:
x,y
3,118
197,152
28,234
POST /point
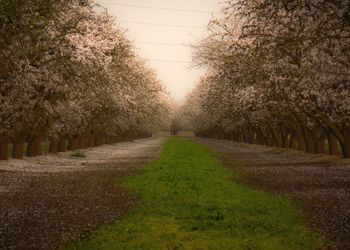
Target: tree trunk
x,y
112,138
18,151
301,141
310,144
4,151
240,135
92,140
269,138
332,144
62,145
264,136
277,136
245,136
273,142
285,138
109,139
260,136
235,135
99,140
216,136
293,142
73,144
251,135
320,144
84,141
346,143
227,136
53,146
34,147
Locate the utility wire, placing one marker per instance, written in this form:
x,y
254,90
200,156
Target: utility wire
x,y
158,8
164,44
167,61
165,25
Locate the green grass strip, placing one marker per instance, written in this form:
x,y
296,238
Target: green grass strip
x,y
191,202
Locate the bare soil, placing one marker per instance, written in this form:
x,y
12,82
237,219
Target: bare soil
x,y
50,200
319,185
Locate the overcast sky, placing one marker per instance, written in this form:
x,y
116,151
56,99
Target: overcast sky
x,y
150,24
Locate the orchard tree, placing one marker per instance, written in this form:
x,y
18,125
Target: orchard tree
x,y
278,74
69,73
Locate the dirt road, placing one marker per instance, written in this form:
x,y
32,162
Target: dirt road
x,y
49,200
318,184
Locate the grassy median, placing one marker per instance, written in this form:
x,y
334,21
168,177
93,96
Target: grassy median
x,y
189,201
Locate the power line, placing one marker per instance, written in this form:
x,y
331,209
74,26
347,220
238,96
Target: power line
x,y
159,8
167,61
165,25
164,44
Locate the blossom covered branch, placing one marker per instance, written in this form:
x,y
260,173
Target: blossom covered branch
x,y
68,73
278,74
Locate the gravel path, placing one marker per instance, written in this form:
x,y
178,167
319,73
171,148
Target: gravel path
x,y
50,200
318,184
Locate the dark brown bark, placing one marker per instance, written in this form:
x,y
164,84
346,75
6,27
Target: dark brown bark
x,y
293,141
320,145
264,136
277,136
219,134
343,136
113,139
251,134
99,140
84,141
235,137
285,137
301,141
53,146
269,138
18,149
4,150
245,135
257,138
346,143
333,148
92,139
240,135
103,139
109,139
34,147
274,142
62,145
227,136
73,143
310,144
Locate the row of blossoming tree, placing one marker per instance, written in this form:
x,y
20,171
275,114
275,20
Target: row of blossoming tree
x,y
69,76
278,75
